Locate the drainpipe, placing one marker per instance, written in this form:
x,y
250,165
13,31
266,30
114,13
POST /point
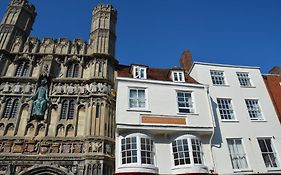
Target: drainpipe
x,y
213,128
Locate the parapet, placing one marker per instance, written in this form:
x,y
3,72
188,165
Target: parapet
x,y
104,8
48,46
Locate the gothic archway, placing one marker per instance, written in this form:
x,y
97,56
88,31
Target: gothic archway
x,y
46,170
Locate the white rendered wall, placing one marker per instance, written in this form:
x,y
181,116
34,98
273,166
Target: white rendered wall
x,y
242,128
162,101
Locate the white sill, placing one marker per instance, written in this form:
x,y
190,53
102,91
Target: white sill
x,y
242,170
230,121
138,110
185,114
274,169
222,85
258,121
247,86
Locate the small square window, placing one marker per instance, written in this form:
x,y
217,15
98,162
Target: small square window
x,y
244,79
139,72
217,77
178,76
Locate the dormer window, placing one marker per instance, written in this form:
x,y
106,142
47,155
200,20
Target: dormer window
x,y
139,72
178,76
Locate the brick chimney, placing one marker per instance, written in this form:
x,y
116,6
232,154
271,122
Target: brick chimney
x,y
275,70
186,60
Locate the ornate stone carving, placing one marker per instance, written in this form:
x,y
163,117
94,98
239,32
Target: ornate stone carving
x,y
17,88
6,87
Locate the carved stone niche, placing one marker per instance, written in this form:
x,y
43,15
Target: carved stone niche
x,y
44,148
18,147
55,148
31,45
78,47
7,147
17,45
30,147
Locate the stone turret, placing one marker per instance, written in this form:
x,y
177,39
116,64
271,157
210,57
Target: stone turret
x,y
102,37
16,23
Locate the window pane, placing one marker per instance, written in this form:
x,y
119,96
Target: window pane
x,y
268,152
237,154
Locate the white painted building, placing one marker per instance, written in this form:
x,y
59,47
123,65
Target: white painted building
x,y
247,135
164,122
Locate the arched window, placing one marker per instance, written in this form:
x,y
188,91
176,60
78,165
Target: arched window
x,y
68,109
22,69
72,70
137,149
11,108
187,150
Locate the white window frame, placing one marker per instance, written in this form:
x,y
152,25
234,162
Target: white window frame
x,y
244,79
227,109
218,77
139,150
237,156
178,76
139,72
198,151
191,103
269,152
254,110
145,99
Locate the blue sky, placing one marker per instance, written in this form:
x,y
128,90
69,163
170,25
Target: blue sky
x,y
156,32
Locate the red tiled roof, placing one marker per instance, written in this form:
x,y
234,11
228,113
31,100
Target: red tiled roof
x,y
152,74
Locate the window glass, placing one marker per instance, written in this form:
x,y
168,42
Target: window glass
x,y
244,79
237,154
137,149
185,104
187,151
217,77
254,109
137,98
225,109
268,152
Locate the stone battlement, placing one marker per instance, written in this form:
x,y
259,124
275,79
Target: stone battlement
x,y
60,46
104,7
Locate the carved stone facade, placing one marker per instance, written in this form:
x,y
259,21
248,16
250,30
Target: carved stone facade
x,y
76,133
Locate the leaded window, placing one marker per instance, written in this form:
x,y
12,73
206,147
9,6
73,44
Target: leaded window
x,y
11,108
72,70
67,109
22,69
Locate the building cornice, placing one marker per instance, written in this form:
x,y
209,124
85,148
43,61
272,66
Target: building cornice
x,y
161,82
